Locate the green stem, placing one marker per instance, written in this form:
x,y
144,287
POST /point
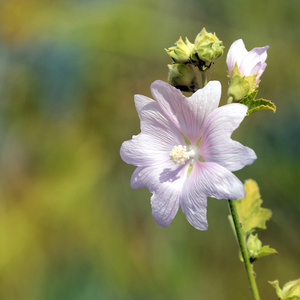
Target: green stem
x,y
204,79
244,250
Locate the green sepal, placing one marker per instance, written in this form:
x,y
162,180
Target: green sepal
x,y
199,142
257,104
183,77
181,52
241,86
266,250
251,214
290,291
186,140
189,169
278,290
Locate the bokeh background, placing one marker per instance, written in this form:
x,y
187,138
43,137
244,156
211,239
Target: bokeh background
x,y
70,225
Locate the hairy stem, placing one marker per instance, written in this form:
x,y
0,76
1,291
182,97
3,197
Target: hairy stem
x,y
244,250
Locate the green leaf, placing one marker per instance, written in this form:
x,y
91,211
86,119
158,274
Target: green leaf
x,y
257,104
266,250
249,99
252,216
261,104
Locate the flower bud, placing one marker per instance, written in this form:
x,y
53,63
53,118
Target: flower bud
x,y
245,69
253,245
182,77
207,48
290,290
181,52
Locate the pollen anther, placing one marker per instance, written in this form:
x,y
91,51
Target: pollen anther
x,y
179,154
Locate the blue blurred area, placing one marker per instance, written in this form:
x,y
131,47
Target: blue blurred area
x,y
56,69
70,225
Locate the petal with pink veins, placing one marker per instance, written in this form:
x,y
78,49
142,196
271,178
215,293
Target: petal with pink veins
x,y
207,179
217,145
254,62
249,63
153,176
187,113
155,124
153,145
165,182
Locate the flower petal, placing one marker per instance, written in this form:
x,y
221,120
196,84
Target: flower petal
x,y
165,203
142,151
135,181
165,182
216,144
157,139
193,203
236,53
154,176
254,62
155,124
187,113
141,101
216,181
207,179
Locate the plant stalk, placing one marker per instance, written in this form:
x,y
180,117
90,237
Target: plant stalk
x,y
204,79
244,250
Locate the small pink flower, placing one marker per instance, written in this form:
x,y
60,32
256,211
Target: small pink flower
x,y
249,63
181,173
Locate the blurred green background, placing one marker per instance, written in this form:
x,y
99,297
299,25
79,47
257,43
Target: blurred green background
x,y
70,225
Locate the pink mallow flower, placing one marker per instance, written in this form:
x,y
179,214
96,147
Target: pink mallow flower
x,y
184,152
249,63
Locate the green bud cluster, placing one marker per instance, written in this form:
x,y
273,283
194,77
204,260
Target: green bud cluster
x,y
207,48
188,57
183,77
181,52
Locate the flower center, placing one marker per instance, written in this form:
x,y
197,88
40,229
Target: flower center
x,y
180,154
